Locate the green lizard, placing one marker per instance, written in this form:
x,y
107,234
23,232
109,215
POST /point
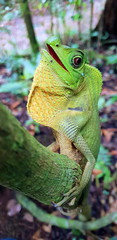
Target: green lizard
x,y
64,96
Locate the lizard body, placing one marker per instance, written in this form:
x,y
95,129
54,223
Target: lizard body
x,y
64,96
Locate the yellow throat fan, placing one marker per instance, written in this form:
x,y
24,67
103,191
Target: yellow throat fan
x,y
47,96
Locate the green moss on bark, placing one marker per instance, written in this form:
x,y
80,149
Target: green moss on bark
x,y
29,167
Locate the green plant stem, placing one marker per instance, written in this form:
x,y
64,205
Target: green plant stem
x,y
25,10
91,21
65,223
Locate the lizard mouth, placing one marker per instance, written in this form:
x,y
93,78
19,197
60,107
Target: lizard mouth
x,y
56,58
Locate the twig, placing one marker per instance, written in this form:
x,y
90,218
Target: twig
x,y
62,222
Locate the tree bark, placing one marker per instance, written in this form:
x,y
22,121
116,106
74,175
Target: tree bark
x,y
29,25
29,167
108,19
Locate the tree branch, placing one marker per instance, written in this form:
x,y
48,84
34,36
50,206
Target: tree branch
x,y
29,167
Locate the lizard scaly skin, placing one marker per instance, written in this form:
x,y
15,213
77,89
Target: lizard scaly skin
x,y
64,96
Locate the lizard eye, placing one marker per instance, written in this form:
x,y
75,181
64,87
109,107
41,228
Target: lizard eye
x,y
76,61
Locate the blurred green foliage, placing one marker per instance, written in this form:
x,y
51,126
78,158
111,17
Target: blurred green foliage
x,y
103,163
112,59
30,121
105,103
16,88
21,71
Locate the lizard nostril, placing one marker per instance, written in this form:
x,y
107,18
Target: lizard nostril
x,y
57,45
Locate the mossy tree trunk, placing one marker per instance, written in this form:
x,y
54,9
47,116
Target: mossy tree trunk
x,y
25,10
29,167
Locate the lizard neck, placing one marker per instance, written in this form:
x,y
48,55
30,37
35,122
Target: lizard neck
x,y
93,84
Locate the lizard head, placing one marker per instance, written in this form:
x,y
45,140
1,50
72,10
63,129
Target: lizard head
x,y
68,63
62,75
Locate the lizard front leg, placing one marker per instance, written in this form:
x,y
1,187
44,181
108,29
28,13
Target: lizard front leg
x,y
70,127
54,147
77,190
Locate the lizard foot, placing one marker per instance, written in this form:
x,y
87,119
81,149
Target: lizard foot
x,y
68,197
70,213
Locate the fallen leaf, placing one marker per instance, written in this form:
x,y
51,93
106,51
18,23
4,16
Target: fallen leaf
x,y
103,213
114,228
96,172
107,91
36,235
32,127
113,152
31,132
4,101
47,228
113,206
108,133
15,104
28,217
111,200
13,207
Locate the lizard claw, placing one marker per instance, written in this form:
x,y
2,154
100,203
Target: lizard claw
x,y
68,197
70,192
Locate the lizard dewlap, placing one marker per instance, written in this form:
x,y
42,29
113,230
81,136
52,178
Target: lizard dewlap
x,y
64,96
47,96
